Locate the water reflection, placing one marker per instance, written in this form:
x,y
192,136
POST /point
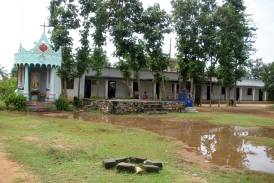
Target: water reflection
x,y
221,145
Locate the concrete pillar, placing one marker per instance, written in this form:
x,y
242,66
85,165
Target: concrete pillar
x,y
241,93
154,91
253,93
26,83
48,83
52,95
106,89
175,90
265,96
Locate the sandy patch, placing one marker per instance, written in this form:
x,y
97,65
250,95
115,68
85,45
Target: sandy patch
x,y
11,171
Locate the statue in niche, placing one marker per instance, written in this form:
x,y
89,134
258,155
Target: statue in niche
x,y
35,77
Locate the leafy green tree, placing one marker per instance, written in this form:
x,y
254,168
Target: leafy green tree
x,y
208,38
63,18
186,20
236,39
156,23
268,78
126,30
255,69
96,18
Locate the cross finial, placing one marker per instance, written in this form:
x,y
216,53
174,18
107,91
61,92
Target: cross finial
x,y
44,26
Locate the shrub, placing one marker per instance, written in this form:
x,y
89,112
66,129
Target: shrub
x,y
62,104
77,102
7,86
16,102
2,105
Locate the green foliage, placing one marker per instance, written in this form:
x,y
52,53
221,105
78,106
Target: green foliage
x,y
16,102
63,18
255,69
186,20
268,78
236,39
126,28
77,102
3,73
7,86
62,104
156,23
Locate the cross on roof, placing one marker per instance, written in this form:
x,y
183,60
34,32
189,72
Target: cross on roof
x,y
44,25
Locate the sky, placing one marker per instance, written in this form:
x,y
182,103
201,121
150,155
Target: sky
x,y
21,22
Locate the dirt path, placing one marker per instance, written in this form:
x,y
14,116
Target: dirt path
x,y
11,171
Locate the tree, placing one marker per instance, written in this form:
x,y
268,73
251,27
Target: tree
x,y
3,72
100,22
236,39
186,20
126,30
208,38
63,18
123,66
268,79
156,23
255,69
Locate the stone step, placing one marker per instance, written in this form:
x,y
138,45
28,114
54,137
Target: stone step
x,y
191,109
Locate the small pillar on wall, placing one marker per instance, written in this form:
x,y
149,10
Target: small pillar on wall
x,y
26,82
253,93
106,89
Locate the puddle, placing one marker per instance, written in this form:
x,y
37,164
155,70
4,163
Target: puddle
x,y
221,145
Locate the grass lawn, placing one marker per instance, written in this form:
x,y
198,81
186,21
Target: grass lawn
x,y
245,120
66,150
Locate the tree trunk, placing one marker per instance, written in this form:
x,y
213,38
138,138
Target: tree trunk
x,y
163,88
79,81
220,91
235,95
129,86
210,90
97,87
64,91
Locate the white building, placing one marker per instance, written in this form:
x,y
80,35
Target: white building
x,y
112,85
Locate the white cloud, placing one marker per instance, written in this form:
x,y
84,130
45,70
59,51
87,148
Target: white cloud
x,y
21,22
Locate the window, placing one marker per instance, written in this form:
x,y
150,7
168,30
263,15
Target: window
x,y
223,91
70,84
249,91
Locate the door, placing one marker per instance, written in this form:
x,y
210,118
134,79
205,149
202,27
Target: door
x,y
261,95
208,93
157,90
111,89
238,94
135,90
87,88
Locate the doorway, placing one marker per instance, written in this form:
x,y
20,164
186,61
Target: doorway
x,y
208,93
261,94
111,89
135,90
87,88
158,91
237,94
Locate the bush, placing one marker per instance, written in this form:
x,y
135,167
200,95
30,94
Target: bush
x,y
7,86
77,102
16,102
2,105
62,104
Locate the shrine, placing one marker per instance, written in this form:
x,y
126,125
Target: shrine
x,y
37,77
